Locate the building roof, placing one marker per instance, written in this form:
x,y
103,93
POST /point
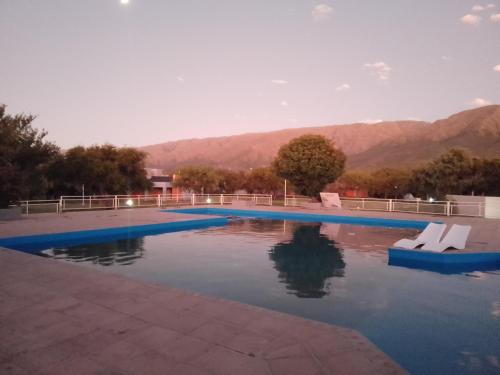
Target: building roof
x,y
161,178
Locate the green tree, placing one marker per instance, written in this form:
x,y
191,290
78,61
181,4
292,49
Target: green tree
x,y
451,173
389,183
24,156
102,169
486,177
310,162
264,181
230,181
199,179
132,164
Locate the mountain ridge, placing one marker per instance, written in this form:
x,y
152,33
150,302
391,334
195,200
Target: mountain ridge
x,y
367,146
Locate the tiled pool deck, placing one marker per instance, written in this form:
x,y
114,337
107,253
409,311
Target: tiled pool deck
x,y
59,318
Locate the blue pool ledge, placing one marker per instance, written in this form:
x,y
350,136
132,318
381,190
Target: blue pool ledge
x,y
34,243
306,217
444,262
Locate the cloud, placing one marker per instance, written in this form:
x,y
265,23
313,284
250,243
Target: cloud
x,y
284,103
379,69
371,121
446,58
477,8
279,81
471,20
497,68
495,17
479,102
239,116
490,6
180,79
344,86
322,12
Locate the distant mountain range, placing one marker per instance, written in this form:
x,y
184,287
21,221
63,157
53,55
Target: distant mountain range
x,y
368,146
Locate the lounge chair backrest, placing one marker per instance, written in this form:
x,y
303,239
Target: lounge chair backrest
x,y
457,236
431,233
330,199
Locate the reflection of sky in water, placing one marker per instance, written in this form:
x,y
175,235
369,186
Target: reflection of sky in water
x,y
495,309
428,322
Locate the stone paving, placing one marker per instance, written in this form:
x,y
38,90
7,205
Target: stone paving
x,y
59,318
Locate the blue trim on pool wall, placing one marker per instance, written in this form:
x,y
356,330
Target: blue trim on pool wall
x,y
444,262
307,217
35,243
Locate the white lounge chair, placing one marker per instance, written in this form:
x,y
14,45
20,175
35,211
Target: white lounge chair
x,y
330,200
431,233
456,238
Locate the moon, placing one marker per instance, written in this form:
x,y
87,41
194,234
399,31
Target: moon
x,y
124,2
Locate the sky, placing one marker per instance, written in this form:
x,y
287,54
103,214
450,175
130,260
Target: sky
x,y
141,72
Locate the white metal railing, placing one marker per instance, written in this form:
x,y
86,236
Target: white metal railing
x,y
107,202
39,206
296,200
103,202
446,208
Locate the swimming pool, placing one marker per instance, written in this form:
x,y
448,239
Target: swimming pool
x,y
337,273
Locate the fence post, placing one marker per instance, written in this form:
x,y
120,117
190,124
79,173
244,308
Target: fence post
x,y
362,203
192,199
222,199
390,205
61,203
27,207
448,208
158,200
115,202
90,201
57,207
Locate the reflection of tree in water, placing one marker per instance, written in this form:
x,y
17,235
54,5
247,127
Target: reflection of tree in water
x,y
121,252
307,261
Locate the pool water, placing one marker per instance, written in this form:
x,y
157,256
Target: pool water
x,y
430,323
